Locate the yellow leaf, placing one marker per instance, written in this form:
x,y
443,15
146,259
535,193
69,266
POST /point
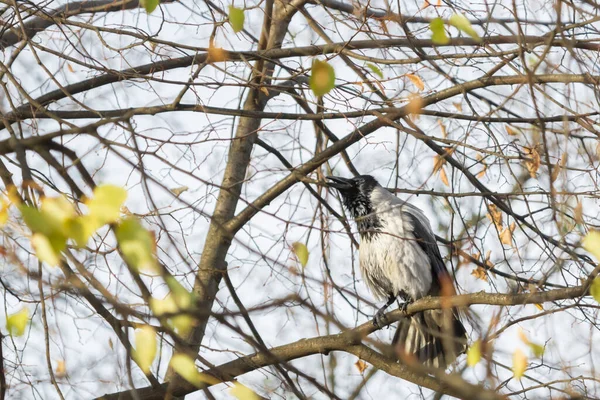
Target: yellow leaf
x,y
511,131
416,80
17,322
242,392
474,354
595,289
216,54
165,306
137,245
444,177
591,243
236,18
60,208
184,366
61,369
145,347
182,297
81,228
44,249
4,206
522,336
322,78
539,306
106,204
360,365
519,363
183,324
461,22
301,252
438,31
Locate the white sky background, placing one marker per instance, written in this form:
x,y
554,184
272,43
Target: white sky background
x,y
82,339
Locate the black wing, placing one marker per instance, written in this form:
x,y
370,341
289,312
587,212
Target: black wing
x,y
427,242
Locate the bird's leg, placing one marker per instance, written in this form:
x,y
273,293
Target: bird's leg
x,y
379,318
407,300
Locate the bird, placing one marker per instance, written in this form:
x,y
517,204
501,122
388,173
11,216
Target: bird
x,y
399,259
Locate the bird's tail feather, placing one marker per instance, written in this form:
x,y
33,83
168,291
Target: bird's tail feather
x,y
434,337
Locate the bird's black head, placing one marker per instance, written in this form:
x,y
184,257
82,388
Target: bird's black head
x,y
356,195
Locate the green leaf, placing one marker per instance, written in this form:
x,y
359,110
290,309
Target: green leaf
x,y
463,24
301,252
145,347
106,204
322,78
47,250
474,353
149,5
242,392
591,242
17,322
538,349
236,18
41,222
375,69
438,32
137,245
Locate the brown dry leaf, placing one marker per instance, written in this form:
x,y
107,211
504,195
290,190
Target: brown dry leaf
x,y
438,163
511,131
598,150
361,366
61,369
416,80
479,273
481,173
216,54
414,106
443,129
444,177
264,90
506,234
533,163
495,216
458,106
559,166
70,68
578,213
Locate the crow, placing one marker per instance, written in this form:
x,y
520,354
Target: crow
x,y
399,258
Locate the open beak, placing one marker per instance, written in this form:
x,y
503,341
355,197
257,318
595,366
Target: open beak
x,y
339,183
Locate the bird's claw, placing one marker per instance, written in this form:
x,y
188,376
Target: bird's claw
x,y
404,306
379,320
